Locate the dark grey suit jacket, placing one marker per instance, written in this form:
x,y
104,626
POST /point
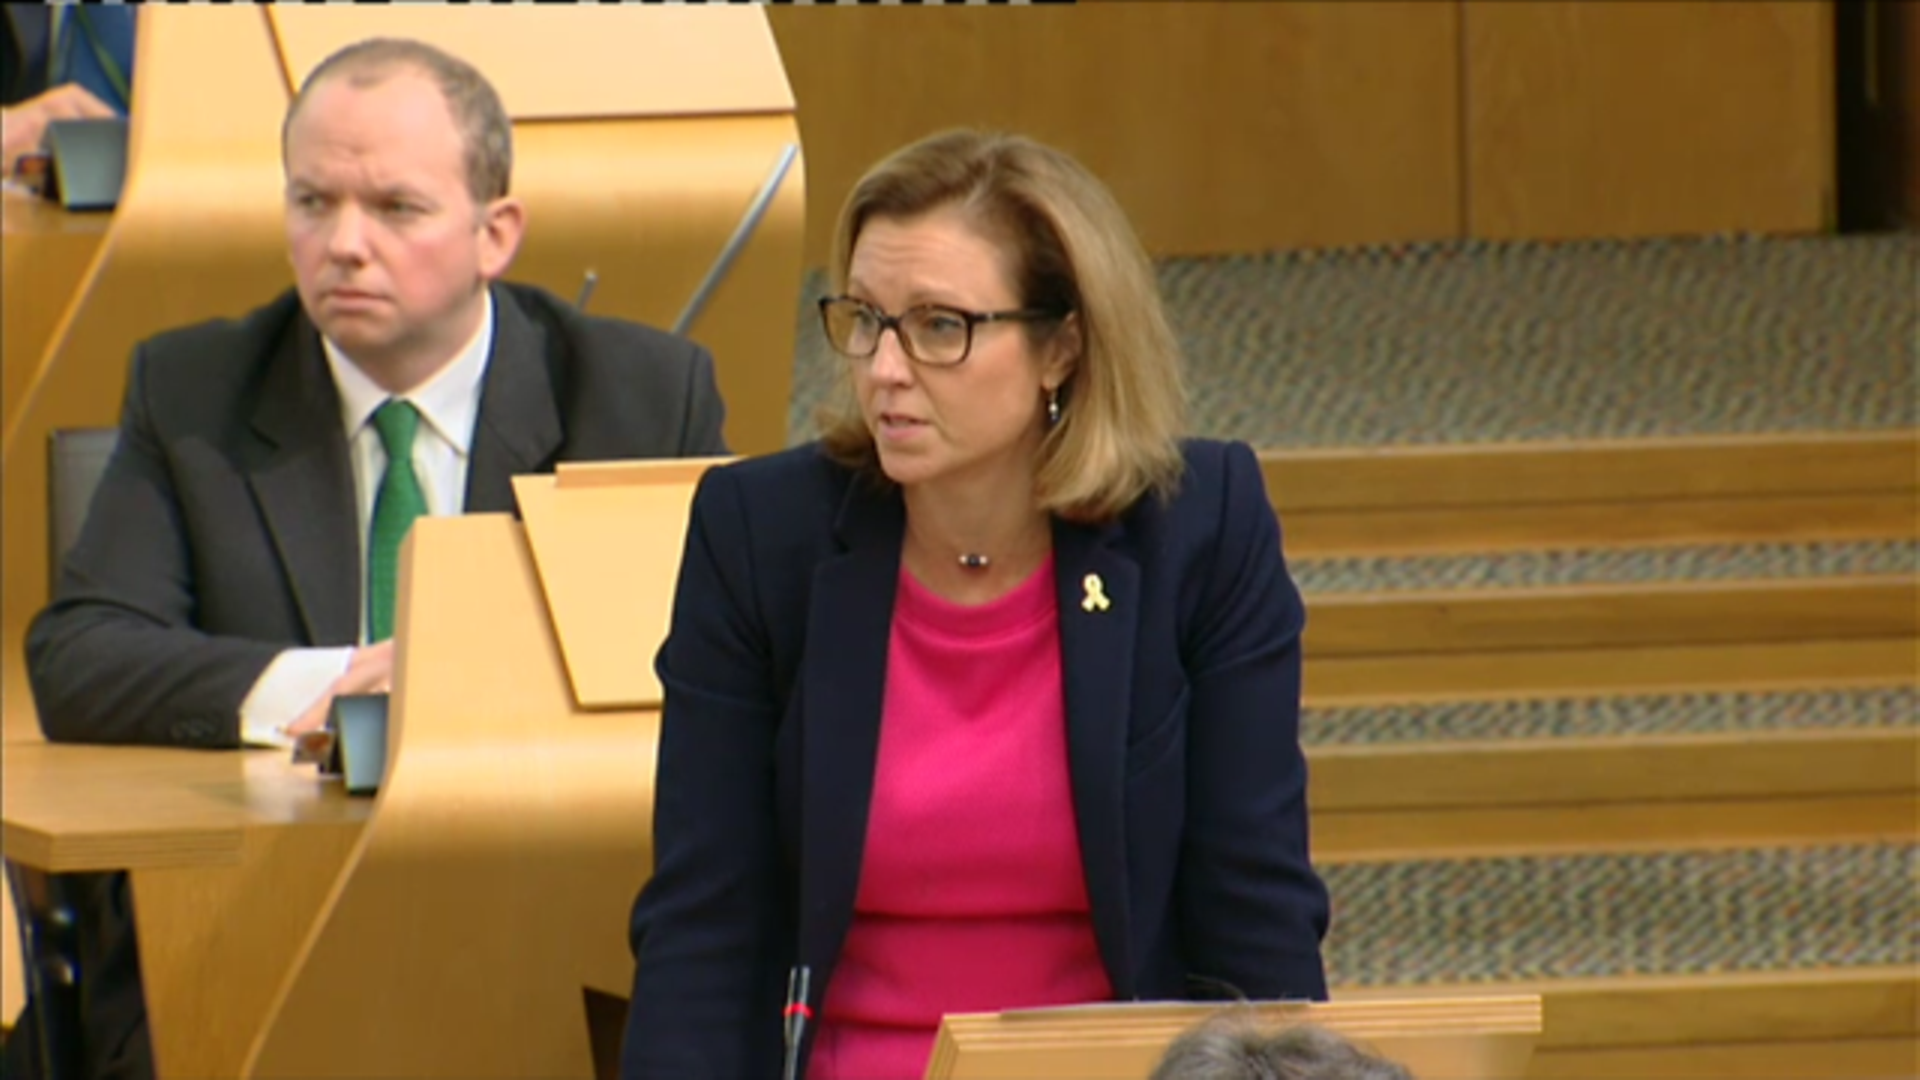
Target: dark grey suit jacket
x,y
224,529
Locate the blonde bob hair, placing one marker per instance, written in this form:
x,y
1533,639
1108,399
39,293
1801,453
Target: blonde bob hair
x,y
1068,248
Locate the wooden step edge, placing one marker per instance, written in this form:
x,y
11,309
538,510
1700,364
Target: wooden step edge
x,y
1559,772
1343,837
1615,669
1573,471
1652,1010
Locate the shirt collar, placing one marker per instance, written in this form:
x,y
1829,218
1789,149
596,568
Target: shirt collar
x,y
449,401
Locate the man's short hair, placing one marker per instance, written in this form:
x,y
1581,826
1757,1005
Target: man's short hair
x,y
1233,1047
485,131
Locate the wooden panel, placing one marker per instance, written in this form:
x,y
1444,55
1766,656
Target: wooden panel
x,y
513,832
620,60
1348,836
47,252
1453,676
1720,1007
1788,518
1546,772
1840,1059
1592,120
215,941
1221,127
1897,64
1665,613
606,539
1579,471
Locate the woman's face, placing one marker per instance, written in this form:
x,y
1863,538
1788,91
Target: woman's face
x,y
981,418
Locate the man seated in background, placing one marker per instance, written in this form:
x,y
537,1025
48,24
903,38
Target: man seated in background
x,y
61,62
237,565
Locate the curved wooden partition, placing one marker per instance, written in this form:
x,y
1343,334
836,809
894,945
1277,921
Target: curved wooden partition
x,y
491,888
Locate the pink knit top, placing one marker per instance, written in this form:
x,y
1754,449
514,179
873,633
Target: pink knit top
x,y
971,893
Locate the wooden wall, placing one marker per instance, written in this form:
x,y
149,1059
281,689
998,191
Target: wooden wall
x,y
1240,127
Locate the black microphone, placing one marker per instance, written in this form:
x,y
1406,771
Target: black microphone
x,y
797,1013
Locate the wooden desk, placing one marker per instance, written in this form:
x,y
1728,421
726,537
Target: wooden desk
x,y
233,854
47,253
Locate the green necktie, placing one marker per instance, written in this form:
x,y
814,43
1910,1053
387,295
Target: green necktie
x,y
400,501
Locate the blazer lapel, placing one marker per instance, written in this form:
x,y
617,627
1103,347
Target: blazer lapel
x,y
1098,591
302,480
518,429
843,680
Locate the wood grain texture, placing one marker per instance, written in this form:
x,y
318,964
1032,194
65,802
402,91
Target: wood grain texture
x,y
512,833
1351,836
1505,620
1570,771
1749,666
1609,523
1611,120
1220,127
1678,1010
620,60
46,255
1587,471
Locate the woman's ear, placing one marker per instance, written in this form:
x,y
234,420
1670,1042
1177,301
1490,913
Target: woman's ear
x,y
1063,353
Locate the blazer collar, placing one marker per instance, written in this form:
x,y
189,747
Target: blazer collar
x,y
843,685
519,428
303,481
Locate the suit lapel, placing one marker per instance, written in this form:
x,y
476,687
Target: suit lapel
x,y
303,481
518,429
1096,662
843,680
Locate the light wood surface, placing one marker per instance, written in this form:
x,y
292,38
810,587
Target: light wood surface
x,y
1621,523
493,885
46,252
1764,666
231,854
1426,832
1644,615
1657,1011
1600,120
1221,127
1587,471
618,60
1829,1059
1478,1037
606,539
1566,771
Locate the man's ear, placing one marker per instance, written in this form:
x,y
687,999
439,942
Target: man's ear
x,y
502,224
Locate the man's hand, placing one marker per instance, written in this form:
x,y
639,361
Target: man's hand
x,y
23,126
369,672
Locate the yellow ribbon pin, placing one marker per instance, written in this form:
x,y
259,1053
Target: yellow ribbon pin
x,y
1096,598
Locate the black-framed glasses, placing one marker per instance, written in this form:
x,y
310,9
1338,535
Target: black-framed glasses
x,y
931,334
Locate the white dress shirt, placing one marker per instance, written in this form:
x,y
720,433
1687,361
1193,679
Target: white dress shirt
x,y
449,405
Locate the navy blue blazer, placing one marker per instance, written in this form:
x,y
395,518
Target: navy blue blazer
x,y
1182,701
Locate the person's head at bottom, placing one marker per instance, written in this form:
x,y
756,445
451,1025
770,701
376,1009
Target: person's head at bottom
x,y
1008,353
1234,1047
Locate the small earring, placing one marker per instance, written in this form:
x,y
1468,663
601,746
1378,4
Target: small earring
x,y
1053,406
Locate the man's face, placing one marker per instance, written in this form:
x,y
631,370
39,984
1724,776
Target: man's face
x,y
388,247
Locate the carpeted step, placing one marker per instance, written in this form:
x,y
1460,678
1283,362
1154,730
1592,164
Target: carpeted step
x,y
1660,913
1408,760
1746,962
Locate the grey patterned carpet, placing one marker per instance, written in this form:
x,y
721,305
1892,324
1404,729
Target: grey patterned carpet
x,y
1608,566
1623,716
1475,920
1481,342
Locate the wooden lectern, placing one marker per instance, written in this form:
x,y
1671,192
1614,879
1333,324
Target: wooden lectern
x,y
490,892
1436,1038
